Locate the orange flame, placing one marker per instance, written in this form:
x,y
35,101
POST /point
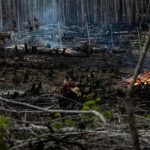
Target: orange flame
x,y
142,78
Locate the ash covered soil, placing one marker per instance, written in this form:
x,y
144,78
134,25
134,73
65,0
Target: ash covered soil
x,y
18,74
51,70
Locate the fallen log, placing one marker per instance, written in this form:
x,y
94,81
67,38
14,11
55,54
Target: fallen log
x,y
98,114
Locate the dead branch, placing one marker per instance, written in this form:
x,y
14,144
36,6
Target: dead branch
x,y
130,101
99,115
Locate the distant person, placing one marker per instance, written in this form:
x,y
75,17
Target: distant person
x,y
66,86
14,26
36,23
67,102
64,51
2,43
30,26
73,94
11,37
7,39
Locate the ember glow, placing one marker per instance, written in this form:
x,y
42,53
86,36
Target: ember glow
x,y
142,78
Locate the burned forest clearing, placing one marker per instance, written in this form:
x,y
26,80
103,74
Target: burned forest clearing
x,y
36,79
74,75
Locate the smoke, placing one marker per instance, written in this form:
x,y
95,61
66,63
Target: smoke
x,y
49,13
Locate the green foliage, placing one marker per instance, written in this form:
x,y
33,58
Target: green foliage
x,y
3,131
147,116
92,120
57,125
143,40
69,123
135,45
91,105
97,100
108,115
57,115
3,126
3,122
3,146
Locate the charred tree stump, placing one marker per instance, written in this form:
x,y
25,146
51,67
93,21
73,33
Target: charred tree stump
x,y
26,48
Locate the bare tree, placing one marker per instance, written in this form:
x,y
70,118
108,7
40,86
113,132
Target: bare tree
x,y
130,101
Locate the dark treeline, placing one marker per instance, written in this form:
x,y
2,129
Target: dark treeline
x,y
70,12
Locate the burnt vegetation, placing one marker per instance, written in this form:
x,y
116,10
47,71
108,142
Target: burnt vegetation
x,y
79,80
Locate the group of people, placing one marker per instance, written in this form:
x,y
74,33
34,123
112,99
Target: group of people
x,y
30,25
33,25
8,38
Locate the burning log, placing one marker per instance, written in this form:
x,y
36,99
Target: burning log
x,y
143,78
142,84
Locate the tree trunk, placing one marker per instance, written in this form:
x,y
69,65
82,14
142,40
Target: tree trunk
x,y
1,16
